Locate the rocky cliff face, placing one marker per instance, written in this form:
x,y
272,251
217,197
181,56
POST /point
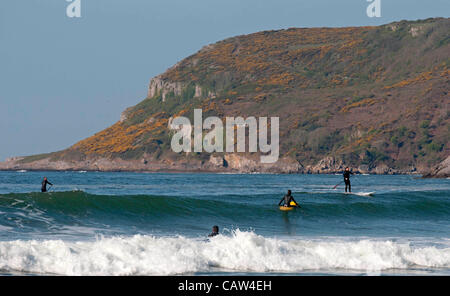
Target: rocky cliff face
x,y
440,171
372,98
164,87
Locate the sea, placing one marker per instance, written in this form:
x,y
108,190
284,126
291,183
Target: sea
x,y
122,223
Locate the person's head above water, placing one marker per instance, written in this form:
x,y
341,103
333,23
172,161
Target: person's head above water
x,y
45,178
289,192
215,231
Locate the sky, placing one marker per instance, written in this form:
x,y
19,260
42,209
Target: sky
x,y
63,79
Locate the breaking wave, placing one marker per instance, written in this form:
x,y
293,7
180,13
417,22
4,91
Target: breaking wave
x,y
238,251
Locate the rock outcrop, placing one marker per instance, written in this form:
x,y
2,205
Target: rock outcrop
x,y
440,171
164,87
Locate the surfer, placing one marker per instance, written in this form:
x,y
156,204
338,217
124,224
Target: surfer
x,y
44,184
215,231
287,199
347,174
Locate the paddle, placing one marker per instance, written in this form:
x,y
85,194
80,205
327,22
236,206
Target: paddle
x,y
338,184
49,188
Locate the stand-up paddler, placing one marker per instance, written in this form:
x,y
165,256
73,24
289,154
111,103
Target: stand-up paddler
x,y
44,184
347,174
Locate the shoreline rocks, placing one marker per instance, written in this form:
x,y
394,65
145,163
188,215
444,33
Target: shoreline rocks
x,y
232,163
442,170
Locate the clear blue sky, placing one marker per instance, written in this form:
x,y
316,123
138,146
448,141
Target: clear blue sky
x,y
63,79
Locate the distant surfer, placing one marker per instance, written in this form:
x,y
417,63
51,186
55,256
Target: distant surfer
x,y
44,184
215,231
347,174
287,199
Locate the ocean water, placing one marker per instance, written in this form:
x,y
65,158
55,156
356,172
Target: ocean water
x,y
93,223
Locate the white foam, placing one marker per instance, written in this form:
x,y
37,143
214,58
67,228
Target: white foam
x,y
240,251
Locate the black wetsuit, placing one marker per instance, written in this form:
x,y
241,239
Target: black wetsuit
x,y
347,181
213,234
286,200
44,185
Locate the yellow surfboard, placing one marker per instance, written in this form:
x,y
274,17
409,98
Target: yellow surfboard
x,y
283,208
293,206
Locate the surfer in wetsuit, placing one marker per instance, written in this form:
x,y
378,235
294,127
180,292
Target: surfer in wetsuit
x,y
44,184
286,200
347,174
215,231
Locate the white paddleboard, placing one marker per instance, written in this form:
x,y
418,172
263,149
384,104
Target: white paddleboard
x,y
361,193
